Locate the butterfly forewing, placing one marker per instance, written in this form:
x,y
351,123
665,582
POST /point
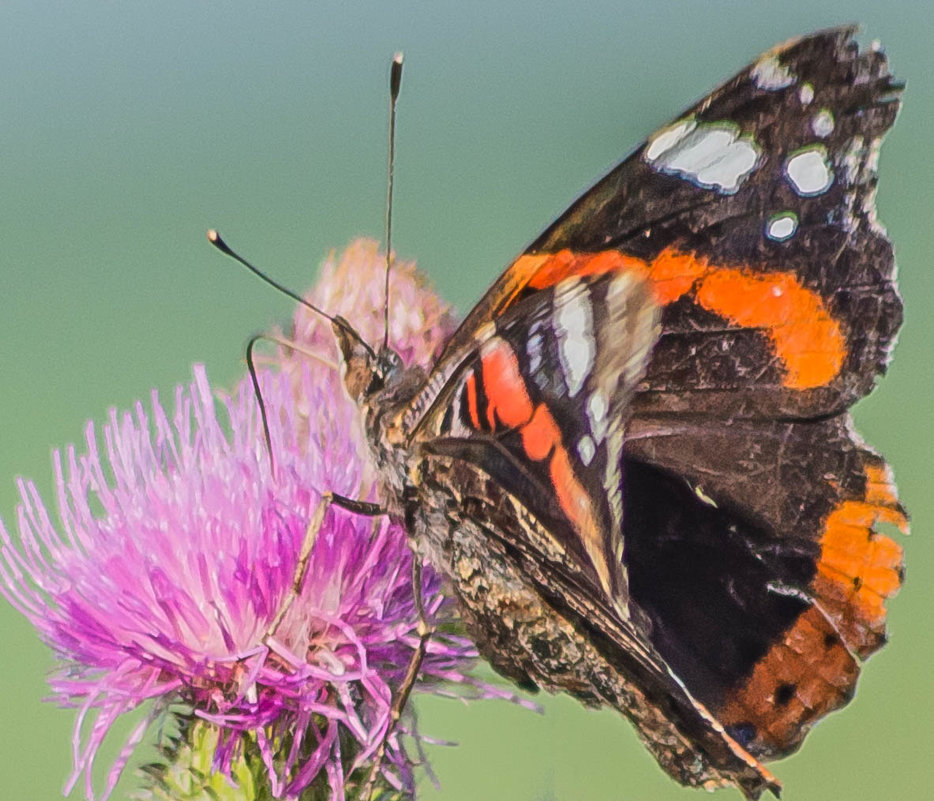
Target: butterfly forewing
x,y
539,404
753,216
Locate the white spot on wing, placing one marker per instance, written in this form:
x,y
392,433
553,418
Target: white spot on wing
x,y
770,74
782,226
809,171
667,138
534,347
574,331
852,160
596,410
586,449
822,123
712,155
806,93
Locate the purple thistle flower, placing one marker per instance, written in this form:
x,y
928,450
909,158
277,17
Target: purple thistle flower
x,y
176,547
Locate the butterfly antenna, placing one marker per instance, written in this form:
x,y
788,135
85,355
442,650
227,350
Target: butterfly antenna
x,y
395,82
258,394
215,239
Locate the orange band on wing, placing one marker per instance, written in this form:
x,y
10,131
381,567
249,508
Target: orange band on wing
x,y
509,406
672,275
507,398
550,269
813,669
803,334
859,567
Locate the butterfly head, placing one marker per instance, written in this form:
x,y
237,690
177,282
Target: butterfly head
x,y
373,379
364,373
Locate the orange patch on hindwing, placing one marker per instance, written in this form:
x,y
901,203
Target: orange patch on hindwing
x,y
859,567
813,669
801,331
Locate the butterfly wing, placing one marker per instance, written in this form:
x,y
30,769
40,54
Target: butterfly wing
x,y
751,535
753,217
539,404
526,432
751,562
754,550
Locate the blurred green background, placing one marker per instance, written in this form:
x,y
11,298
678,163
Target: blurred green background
x,y
126,131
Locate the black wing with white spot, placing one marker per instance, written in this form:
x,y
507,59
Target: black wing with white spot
x,y
765,188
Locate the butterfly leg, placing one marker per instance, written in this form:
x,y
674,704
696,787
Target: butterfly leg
x,y
311,535
411,674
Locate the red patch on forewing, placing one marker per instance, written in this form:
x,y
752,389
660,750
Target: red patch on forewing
x,y
541,435
470,387
509,406
813,670
545,270
508,400
803,334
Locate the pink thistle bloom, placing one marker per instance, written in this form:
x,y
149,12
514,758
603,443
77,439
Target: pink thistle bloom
x,y
352,286
176,546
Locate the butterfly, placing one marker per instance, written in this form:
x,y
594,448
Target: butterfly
x,y
634,460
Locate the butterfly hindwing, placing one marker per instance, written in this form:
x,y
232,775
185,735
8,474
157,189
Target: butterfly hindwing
x,y
754,552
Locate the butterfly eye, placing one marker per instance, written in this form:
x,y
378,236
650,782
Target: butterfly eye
x,y
388,362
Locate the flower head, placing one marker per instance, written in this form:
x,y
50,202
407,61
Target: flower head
x,y
176,547
353,286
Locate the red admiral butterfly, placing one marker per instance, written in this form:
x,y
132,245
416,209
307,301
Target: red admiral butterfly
x,y
634,459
